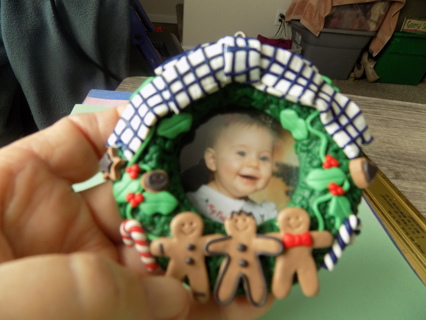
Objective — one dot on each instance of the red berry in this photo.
(133, 171)
(330, 161)
(134, 199)
(139, 197)
(335, 189)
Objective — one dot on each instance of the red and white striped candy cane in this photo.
(133, 234)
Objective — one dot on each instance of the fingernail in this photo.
(167, 298)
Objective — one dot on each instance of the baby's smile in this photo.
(249, 178)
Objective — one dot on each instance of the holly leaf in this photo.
(339, 208)
(123, 187)
(319, 179)
(175, 125)
(293, 123)
(160, 202)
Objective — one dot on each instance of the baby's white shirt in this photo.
(216, 206)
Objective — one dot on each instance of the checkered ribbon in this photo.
(209, 67)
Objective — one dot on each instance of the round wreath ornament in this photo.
(239, 255)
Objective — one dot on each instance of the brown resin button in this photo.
(155, 181)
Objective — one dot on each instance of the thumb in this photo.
(86, 286)
(166, 298)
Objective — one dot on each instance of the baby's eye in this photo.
(241, 153)
(264, 158)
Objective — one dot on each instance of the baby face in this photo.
(241, 160)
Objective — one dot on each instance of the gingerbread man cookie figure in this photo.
(185, 250)
(297, 258)
(242, 248)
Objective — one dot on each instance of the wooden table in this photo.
(399, 146)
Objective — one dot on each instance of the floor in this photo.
(362, 87)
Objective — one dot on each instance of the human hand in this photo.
(61, 255)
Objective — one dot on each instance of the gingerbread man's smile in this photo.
(188, 228)
(241, 224)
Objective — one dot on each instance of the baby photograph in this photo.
(240, 161)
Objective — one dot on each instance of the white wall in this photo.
(161, 10)
(209, 20)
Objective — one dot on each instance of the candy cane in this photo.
(133, 234)
(347, 231)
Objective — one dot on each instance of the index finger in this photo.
(72, 147)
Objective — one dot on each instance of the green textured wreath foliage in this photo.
(162, 149)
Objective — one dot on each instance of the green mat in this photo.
(371, 281)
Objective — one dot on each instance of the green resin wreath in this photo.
(313, 145)
(325, 186)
